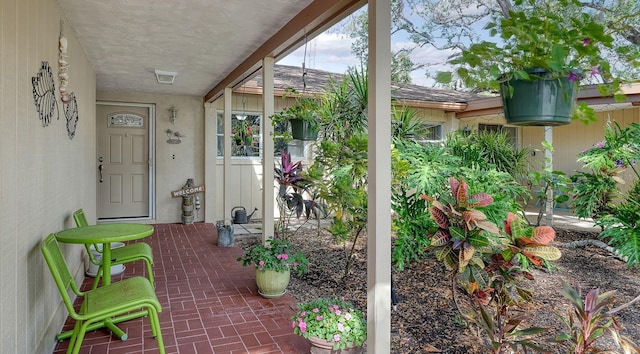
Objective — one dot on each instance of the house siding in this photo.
(44, 176)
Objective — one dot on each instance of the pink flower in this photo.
(335, 307)
(261, 263)
(303, 314)
(347, 316)
(279, 256)
(295, 264)
(338, 312)
(303, 326)
(586, 41)
(595, 71)
(340, 327)
(318, 318)
(316, 310)
(293, 324)
(336, 337)
(573, 77)
(284, 256)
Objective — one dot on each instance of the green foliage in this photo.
(558, 36)
(340, 166)
(277, 254)
(588, 320)
(490, 148)
(622, 227)
(597, 189)
(332, 319)
(425, 169)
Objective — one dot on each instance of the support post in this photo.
(548, 165)
(379, 210)
(228, 101)
(268, 191)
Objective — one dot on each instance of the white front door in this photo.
(122, 161)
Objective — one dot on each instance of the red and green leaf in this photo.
(439, 216)
(543, 235)
(482, 199)
(548, 253)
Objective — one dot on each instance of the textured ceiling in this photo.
(201, 40)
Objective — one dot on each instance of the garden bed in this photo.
(426, 319)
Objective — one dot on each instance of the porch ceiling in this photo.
(209, 43)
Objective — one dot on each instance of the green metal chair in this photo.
(105, 306)
(128, 253)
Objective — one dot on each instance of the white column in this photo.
(548, 165)
(228, 96)
(210, 158)
(379, 214)
(268, 192)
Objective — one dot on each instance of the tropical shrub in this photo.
(295, 196)
(488, 263)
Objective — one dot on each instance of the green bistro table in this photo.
(105, 234)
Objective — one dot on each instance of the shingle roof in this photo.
(317, 80)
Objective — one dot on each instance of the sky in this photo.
(331, 51)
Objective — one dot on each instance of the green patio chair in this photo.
(105, 306)
(128, 253)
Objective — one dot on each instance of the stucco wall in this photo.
(174, 163)
(44, 176)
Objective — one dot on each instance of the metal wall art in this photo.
(44, 96)
(174, 136)
(71, 112)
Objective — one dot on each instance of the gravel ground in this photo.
(426, 320)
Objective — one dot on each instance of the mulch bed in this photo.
(426, 319)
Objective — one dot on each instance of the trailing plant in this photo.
(306, 109)
(559, 36)
(591, 318)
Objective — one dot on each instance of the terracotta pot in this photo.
(321, 346)
(272, 284)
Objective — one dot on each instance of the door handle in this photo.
(100, 167)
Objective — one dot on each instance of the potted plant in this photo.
(331, 325)
(274, 262)
(303, 116)
(542, 51)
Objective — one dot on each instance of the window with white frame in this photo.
(429, 132)
(246, 137)
(246, 134)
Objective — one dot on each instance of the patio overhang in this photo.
(310, 22)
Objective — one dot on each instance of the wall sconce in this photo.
(173, 114)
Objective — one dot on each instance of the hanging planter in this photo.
(303, 130)
(539, 102)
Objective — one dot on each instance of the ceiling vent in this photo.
(165, 77)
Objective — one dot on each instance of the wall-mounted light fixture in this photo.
(173, 114)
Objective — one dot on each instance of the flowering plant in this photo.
(331, 319)
(557, 38)
(278, 255)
